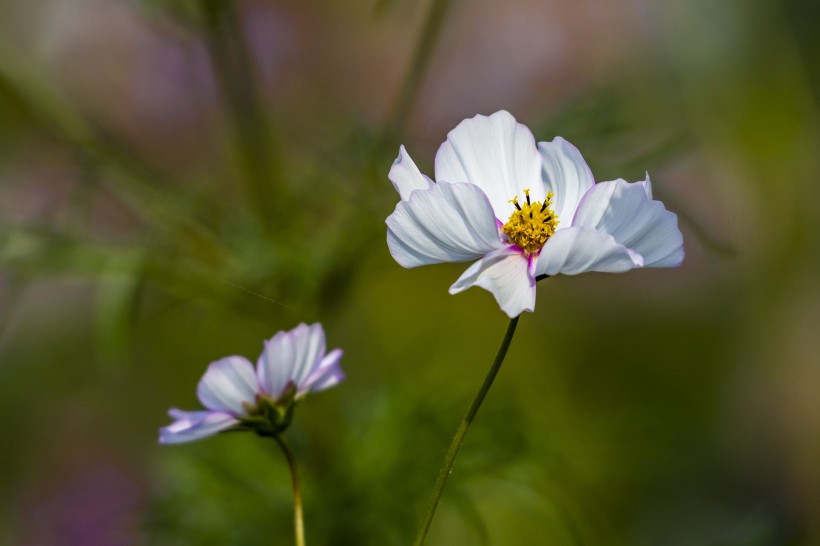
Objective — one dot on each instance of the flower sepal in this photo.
(269, 417)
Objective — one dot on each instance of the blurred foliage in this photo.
(659, 407)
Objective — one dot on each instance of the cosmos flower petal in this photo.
(227, 384)
(495, 153)
(567, 175)
(230, 387)
(627, 212)
(275, 364)
(506, 273)
(326, 375)
(310, 349)
(291, 357)
(578, 249)
(189, 426)
(446, 223)
(406, 177)
(647, 186)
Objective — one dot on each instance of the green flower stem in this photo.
(414, 77)
(298, 519)
(444, 473)
(233, 69)
(130, 180)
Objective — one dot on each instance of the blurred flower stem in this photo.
(298, 519)
(129, 179)
(455, 445)
(233, 70)
(414, 77)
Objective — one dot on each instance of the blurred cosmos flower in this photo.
(524, 211)
(238, 397)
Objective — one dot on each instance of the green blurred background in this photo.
(179, 179)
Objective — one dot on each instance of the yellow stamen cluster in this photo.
(531, 224)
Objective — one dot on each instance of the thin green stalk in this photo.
(129, 178)
(418, 66)
(450, 458)
(233, 69)
(298, 519)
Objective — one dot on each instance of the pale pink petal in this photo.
(506, 273)
(227, 384)
(446, 223)
(310, 349)
(495, 153)
(290, 357)
(326, 375)
(195, 425)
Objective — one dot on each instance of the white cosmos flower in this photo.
(291, 365)
(523, 211)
